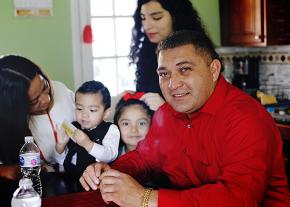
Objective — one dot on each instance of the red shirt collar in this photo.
(217, 98)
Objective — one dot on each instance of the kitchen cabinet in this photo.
(255, 22)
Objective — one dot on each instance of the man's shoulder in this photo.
(164, 107)
(238, 100)
(240, 106)
(164, 110)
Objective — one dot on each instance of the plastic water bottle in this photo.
(25, 195)
(29, 157)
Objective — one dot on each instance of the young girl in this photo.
(133, 117)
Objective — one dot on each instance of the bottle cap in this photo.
(28, 139)
(25, 182)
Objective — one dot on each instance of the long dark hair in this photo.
(16, 74)
(143, 52)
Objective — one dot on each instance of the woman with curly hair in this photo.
(154, 21)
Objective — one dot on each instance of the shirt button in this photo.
(188, 126)
(184, 151)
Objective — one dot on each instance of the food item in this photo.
(266, 98)
(69, 129)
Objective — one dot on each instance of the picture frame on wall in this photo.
(24, 8)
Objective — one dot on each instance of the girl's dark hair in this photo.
(16, 73)
(143, 52)
(122, 105)
(93, 87)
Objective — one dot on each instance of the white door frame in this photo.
(82, 52)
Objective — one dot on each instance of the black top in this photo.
(147, 79)
(83, 157)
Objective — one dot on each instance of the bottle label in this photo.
(29, 160)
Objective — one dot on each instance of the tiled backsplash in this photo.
(274, 71)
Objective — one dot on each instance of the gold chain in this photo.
(146, 196)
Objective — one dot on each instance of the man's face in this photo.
(186, 78)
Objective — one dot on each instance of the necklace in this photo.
(54, 134)
(53, 128)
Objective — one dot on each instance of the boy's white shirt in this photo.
(105, 152)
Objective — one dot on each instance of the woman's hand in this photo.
(153, 100)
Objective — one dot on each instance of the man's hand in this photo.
(153, 100)
(120, 188)
(91, 176)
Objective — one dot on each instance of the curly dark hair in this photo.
(143, 52)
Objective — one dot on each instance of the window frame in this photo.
(83, 58)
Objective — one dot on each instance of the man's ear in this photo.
(215, 69)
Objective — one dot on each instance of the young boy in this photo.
(94, 139)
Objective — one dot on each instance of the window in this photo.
(111, 22)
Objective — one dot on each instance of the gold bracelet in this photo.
(146, 195)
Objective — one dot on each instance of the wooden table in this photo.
(82, 199)
(58, 190)
(284, 131)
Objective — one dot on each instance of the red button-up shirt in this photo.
(229, 153)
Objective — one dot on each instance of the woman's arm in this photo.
(11, 172)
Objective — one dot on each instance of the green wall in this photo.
(209, 13)
(45, 40)
(48, 40)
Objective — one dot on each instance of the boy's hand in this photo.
(62, 139)
(69, 129)
(83, 140)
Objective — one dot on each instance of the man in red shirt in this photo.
(217, 145)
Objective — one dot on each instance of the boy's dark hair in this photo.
(201, 42)
(93, 87)
(122, 104)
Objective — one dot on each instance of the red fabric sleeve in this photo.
(138, 163)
